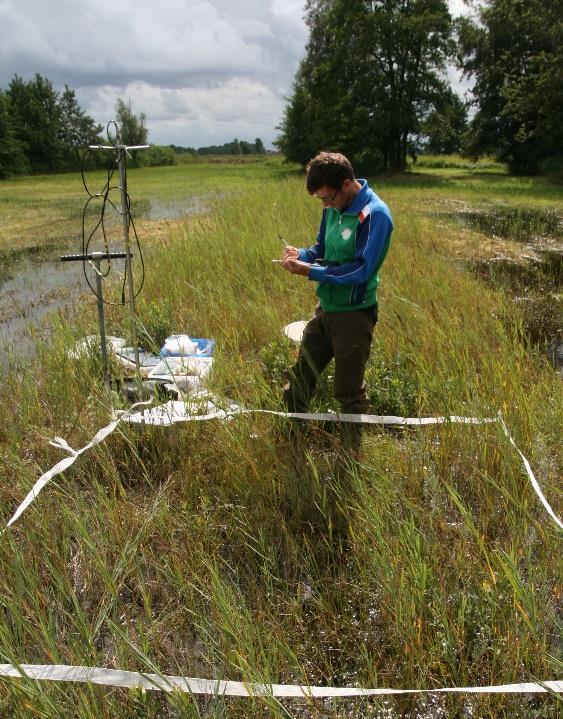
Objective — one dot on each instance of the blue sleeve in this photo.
(316, 252)
(371, 246)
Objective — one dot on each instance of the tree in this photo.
(515, 54)
(371, 74)
(444, 129)
(36, 121)
(12, 158)
(236, 147)
(132, 129)
(76, 129)
(41, 130)
(297, 140)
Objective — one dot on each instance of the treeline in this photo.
(44, 131)
(373, 83)
(236, 147)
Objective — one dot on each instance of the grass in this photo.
(223, 550)
(446, 163)
(519, 223)
(45, 211)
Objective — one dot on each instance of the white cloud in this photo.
(239, 107)
(217, 64)
(170, 40)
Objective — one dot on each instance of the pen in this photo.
(284, 242)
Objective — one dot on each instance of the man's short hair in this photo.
(328, 169)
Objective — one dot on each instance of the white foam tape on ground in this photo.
(171, 413)
(219, 687)
(65, 463)
(209, 408)
(176, 411)
(532, 477)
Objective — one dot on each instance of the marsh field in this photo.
(225, 549)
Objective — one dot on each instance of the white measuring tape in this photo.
(533, 480)
(67, 461)
(176, 411)
(171, 413)
(210, 408)
(221, 687)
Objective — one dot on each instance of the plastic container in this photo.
(184, 346)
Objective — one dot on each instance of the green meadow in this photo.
(230, 550)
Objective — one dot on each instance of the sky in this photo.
(202, 71)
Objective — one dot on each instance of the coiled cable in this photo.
(87, 238)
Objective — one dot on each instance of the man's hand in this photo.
(295, 266)
(290, 253)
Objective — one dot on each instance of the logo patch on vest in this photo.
(346, 234)
(364, 213)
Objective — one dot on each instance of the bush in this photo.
(392, 387)
(157, 156)
(553, 168)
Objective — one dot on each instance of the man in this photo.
(352, 243)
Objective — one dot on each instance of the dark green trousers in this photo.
(346, 337)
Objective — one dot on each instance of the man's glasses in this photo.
(329, 199)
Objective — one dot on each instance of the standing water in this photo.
(36, 286)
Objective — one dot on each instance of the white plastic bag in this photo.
(179, 346)
(176, 366)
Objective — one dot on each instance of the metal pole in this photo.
(96, 257)
(122, 153)
(101, 319)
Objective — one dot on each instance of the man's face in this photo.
(331, 197)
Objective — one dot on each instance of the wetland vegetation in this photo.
(222, 550)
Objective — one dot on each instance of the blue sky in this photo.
(203, 71)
